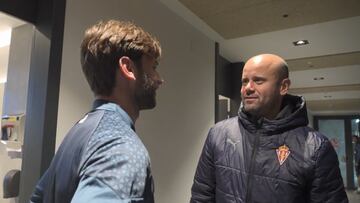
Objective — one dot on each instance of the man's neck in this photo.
(272, 113)
(125, 104)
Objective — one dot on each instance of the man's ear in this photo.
(285, 85)
(126, 67)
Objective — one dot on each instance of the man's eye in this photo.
(259, 81)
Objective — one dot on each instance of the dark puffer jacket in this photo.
(240, 161)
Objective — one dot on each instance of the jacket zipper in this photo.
(250, 178)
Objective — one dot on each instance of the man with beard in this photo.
(101, 158)
(267, 154)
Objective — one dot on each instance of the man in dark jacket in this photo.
(267, 153)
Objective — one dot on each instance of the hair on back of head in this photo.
(284, 71)
(105, 43)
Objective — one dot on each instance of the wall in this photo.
(4, 168)
(174, 132)
(310, 118)
(4, 60)
(18, 70)
(13, 93)
(4, 158)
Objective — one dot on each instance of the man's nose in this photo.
(159, 80)
(249, 85)
(249, 88)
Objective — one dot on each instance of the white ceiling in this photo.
(346, 75)
(239, 18)
(338, 36)
(330, 38)
(334, 95)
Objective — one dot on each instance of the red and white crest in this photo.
(283, 153)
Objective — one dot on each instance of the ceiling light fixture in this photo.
(318, 78)
(301, 42)
(310, 64)
(5, 37)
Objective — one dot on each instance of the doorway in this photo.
(16, 40)
(340, 131)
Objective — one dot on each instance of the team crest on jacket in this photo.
(283, 153)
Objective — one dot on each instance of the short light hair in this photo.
(105, 43)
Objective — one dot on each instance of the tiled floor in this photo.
(353, 196)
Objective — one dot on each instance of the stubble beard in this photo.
(145, 94)
(253, 110)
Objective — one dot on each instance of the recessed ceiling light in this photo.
(318, 78)
(310, 64)
(301, 42)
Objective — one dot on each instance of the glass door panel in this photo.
(335, 131)
(355, 128)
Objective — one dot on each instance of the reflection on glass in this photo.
(335, 131)
(355, 128)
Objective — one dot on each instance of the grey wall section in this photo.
(228, 84)
(16, 87)
(175, 131)
(223, 77)
(310, 118)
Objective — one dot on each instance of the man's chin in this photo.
(251, 110)
(147, 101)
(148, 105)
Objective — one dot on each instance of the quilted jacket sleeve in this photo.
(38, 194)
(203, 189)
(327, 184)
